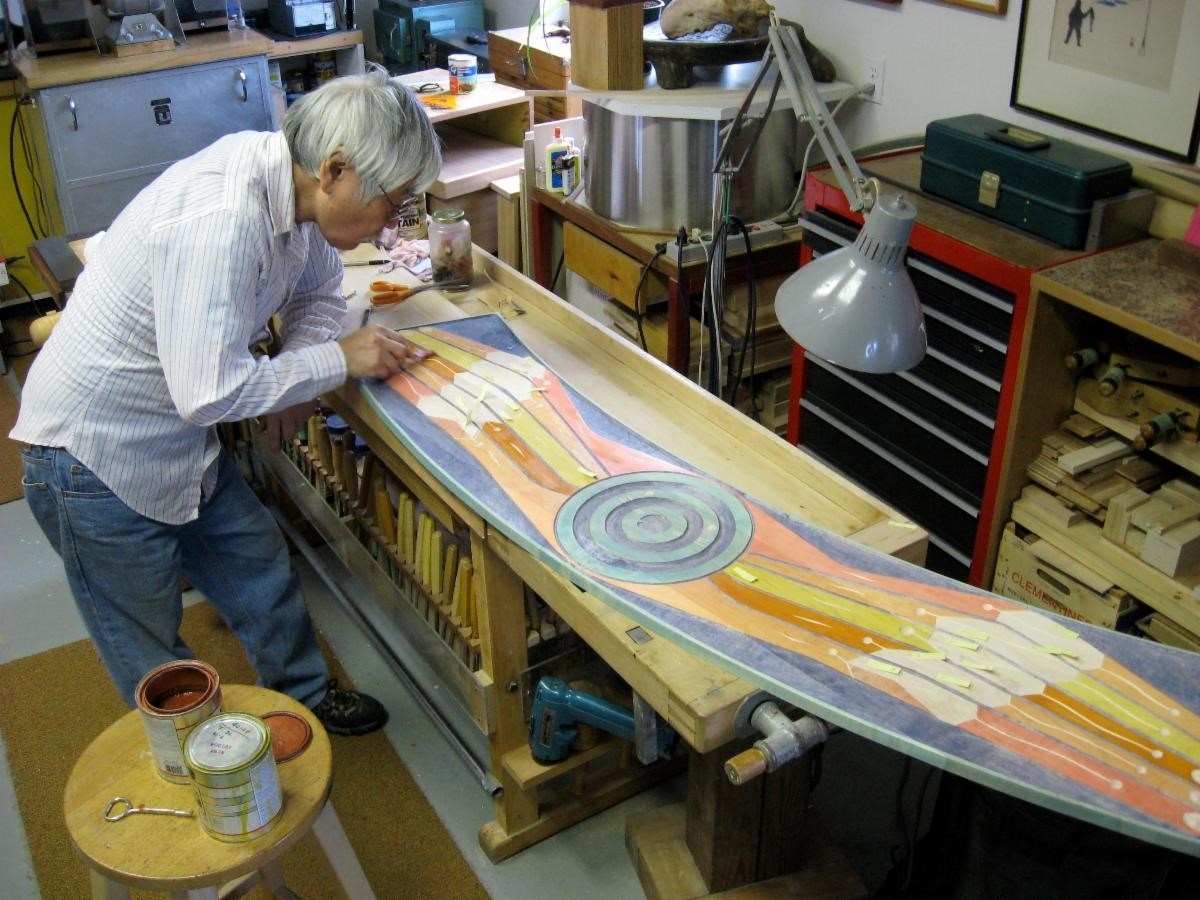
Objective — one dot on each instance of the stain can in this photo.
(324, 67)
(464, 72)
(413, 226)
(173, 699)
(234, 776)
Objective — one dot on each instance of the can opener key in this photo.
(118, 808)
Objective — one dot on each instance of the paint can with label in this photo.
(234, 776)
(464, 72)
(173, 699)
(413, 225)
(324, 67)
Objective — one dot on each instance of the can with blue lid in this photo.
(464, 72)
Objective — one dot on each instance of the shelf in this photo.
(87, 65)
(337, 40)
(1084, 542)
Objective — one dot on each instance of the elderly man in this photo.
(123, 469)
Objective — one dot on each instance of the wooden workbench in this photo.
(699, 699)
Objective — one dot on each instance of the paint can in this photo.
(234, 776)
(464, 72)
(173, 699)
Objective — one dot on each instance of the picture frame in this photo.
(996, 7)
(1125, 72)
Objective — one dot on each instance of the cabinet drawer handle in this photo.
(241, 76)
(74, 114)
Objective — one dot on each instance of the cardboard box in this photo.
(1020, 575)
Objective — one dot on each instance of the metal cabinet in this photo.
(929, 441)
(922, 438)
(110, 138)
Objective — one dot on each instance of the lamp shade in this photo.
(856, 307)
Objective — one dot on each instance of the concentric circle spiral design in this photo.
(654, 527)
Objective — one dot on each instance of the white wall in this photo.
(940, 60)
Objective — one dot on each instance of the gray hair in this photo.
(377, 123)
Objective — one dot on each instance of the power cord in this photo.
(638, 315)
(750, 337)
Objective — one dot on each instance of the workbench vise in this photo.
(558, 709)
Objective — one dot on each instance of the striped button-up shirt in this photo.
(154, 347)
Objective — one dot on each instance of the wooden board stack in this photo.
(1142, 505)
(1085, 465)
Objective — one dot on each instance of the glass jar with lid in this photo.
(450, 245)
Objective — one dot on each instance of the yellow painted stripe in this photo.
(841, 608)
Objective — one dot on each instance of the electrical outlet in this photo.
(873, 75)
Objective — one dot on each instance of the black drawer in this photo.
(950, 520)
(928, 444)
(974, 303)
(973, 390)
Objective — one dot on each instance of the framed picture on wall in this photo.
(1126, 71)
(999, 7)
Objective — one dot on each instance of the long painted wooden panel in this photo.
(1096, 724)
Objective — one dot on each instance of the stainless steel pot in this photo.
(655, 171)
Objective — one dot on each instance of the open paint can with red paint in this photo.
(173, 699)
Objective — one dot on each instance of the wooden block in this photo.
(1120, 509)
(1050, 506)
(1175, 550)
(1165, 509)
(508, 219)
(1083, 427)
(1140, 470)
(155, 46)
(606, 52)
(1179, 488)
(1094, 455)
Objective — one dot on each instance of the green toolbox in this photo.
(1042, 185)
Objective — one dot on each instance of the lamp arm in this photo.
(741, 119)
(808, 105)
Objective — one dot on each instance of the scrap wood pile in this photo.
(1146, 506)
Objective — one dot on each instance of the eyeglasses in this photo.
(404, 208)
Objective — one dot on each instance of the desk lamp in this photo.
(855, 307)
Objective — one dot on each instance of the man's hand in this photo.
(374, 352)
(284, 425)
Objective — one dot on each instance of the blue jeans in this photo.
(124, 571)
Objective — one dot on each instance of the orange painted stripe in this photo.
(860, 639)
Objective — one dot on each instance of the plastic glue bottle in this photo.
(570, 167)
(555, 151)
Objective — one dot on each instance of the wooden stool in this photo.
(169, 853)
